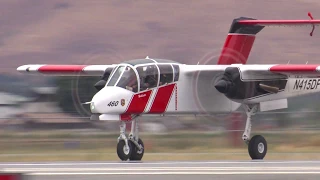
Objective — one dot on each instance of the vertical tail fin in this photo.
(239, 42)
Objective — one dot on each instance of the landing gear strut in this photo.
(257, 145)
(131, 148)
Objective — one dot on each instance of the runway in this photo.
(228, 170)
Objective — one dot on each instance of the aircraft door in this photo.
(166, 74)
(149, 76)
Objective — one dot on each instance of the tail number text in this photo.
(306, 84)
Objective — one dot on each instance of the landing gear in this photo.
(131, 148)
(124, 150)
(137, 153)
(257, 145)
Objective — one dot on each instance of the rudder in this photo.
(239, 42)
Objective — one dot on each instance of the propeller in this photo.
(227, 83)
(87, 102)
(223, 86)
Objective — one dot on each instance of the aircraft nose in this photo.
(96, 103)
(110, 100)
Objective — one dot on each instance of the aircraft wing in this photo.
(278, 71)
(65, 70)
(261, 72)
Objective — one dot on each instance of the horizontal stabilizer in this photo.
(279, 22)
(254, 22)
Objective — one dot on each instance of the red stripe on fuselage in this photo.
(236, 49)
(138, 103)
(162, 99)
(61, 68)
(294, 68)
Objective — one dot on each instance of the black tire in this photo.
(257, 147)
(137, 155)
(124, 156)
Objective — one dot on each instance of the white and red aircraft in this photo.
(149, 86)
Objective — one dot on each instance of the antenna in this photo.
(307, 62)
(288, 62)
(310, 15)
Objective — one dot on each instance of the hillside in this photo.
(101, 32)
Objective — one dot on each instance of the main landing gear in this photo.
(257, 145)
(130, 148)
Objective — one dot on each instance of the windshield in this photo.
(128, 80)
(124, 77)
(116, 76)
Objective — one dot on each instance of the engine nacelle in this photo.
(234, 88)
(102, 82)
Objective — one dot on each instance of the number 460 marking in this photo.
(113, 103)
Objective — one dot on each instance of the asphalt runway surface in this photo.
(227, 170)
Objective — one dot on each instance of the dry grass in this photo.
(159, 157)
(177, 146)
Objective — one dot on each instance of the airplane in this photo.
(150, 86)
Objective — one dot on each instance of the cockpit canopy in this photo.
(140, 75)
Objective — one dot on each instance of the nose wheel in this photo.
(137, 153)
(131, 148)
(124, 151)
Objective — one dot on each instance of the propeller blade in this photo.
(87, 102)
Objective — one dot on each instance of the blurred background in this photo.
(41, 117)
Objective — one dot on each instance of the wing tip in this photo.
(29, 68)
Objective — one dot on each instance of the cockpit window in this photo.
(148, 76)
(116, 76)
(128, 80)
(166, 74)
(143, 77)
(176, 72)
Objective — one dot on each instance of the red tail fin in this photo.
(239, 42)
(242, 34)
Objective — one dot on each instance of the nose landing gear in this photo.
(131, 148)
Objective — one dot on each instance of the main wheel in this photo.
(137, 154)
(257, 147)
(123, 152)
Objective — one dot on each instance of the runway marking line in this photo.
(162, 169)
(157, 168)
(172, 173)
(154, 163)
